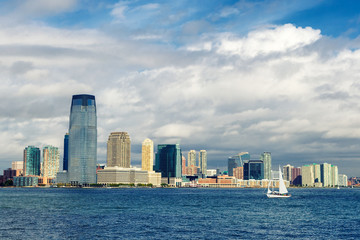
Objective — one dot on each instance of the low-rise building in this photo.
(26, 181)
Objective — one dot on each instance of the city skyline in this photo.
(228, 77)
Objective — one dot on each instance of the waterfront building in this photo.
(307, 175)
(31, 161)
(211, 172)
(50, 162)
(26, 181)
(191, 170)
(238, 172)
(237, 161)
(325, 169)
(118, 150)
(82, 140)
(317, 173)
(343, 180)
(334, 176)
(275, 175)
(66, 152)
(9, 173)
(147, 155)
(266, 158)
(287, 170)
(119, 175)
(296, 176)
(253, 169)
(192, 158)
(168, 162)
(183, 165)
(203, 161)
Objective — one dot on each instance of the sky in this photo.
(275, 76)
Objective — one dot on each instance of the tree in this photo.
(9, 183)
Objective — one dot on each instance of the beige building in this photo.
(50, 162)
(307, 175)
(147, 155)
(203, 161)
(334, 176)
(326, 174)
(118, 150)
(116, 175)
(192, 158)
(317, 173)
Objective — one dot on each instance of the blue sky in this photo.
(225, 76)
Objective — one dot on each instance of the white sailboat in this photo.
(282, 193)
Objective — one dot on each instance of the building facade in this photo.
(50, 162)
(203, 161)
(82, 140)
(31, 161)
(168, 161)
(296, 176)
(287, 170)
(237, 161)
(119, 150)
(147, 155)
(307, 175)
(254, 169)
(66, 152)
(192, 158)
(266, 158)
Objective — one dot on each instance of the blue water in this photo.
(39, 213)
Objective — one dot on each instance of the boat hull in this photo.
(269, 195)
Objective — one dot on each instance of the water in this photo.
(39, 213)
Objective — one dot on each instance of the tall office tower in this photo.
(325, 169)
(287, 172)
(203, 161)
(50, 162)
(82, 140)
(31, 161)
(183, 165)
(253, 169)
(66, 152)
(237, 161)
(147, 155)
(334, 176)
(192, 158)
(168, 161)
(317, 173)
(118, 150)
(266, 158)
(307, 175)
(296, 176)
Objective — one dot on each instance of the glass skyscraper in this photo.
(31, 161)
(168, 161)
(82, 140)
(266, 158)
(237, 161)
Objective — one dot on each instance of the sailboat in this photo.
(282, 193)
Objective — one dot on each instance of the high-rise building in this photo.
(317, 173)
(343, 180)
(325, 169)
(334, 176)
(50, 162)
(266, 158)
(203, 161)
(183, 165)
(237, 161)
(192, 158)
(307, 175)
(82, 140)
(31, 161)
(168, 161)
(66, 152)
(287, 172)
(118, 150)
(253, 169)
(147, 155)
(296, 176)
(239, 172)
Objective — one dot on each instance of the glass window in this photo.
(91, 102)
(77, 101)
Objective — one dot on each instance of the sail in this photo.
(269, 191)
(282, 187)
